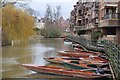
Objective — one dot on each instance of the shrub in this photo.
(50, 33)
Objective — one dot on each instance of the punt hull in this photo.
(62, 71)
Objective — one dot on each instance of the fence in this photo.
(88, 44)
(111, 50)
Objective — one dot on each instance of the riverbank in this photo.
(31, 39)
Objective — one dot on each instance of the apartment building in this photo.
(84, 17)
(73, 19)
(109, 19)
(96, 15)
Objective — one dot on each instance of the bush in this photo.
(47, 33)
(80, 32)
(96, 34)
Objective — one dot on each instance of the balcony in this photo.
(80, 17)
(80, 27)
(109, 4)
(89, 26)
(84, 27)
(110, 20)
(112, 16)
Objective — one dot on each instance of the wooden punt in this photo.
(63, 71)
(59, 60)
(89, 66)
(68, 51)
(79, 49)
(77, 53)
(77, 46)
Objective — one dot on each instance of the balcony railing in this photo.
(112, 16)
(111, 19)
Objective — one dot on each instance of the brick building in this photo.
(108, 20)
(93, 15)
(84, 17)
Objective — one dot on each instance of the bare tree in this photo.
(51, 26)
(48, 13)
(54, 14)
(5, 2)
(58, 11)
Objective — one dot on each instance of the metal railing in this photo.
(111, 50)
(88, 44)
(112, 16)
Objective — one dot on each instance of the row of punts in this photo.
(78, 63)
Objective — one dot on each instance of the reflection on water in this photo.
(14, 56)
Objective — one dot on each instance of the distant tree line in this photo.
(52, 29)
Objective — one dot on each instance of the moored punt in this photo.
(63, 71)
(94, 59)
(77, 54)
(79, 49)
(68, 51)
(60, 60)
(89, 66)
(77, 46)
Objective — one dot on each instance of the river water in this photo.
(34, 52)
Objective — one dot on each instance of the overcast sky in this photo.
(66, 6)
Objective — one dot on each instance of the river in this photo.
(33, 53)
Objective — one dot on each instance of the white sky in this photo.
(66, 6)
